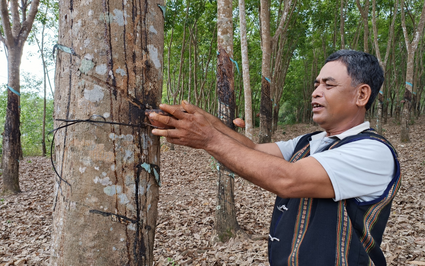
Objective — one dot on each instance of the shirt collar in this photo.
(350, 132)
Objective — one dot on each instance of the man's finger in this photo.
(160, 132)
(165, 120)
(175, 110)
(190, 108)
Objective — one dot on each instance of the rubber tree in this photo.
(225, 224)
(245, 71)
(411, 47)
(16, 23)
(108, 72)
(382, 62)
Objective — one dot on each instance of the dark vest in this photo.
(322, 232)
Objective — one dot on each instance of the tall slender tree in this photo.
(17, 22)
(108, 71)
(226, 224)
(382, 62)
(245, 71)
(411, 47)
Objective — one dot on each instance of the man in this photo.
(333, 206)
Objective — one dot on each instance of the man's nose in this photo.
(317, 92)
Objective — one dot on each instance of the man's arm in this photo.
(305, 178)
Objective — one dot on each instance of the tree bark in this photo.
(266, 102)
(226, 223)
(106, 190)
(411, 48)
(245, 71)
(16, 28)
(383, 63)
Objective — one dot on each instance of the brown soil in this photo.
(185, 233)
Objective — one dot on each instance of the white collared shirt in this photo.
(360, 169)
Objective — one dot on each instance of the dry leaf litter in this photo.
(185, 231)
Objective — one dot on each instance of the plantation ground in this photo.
(186, 210)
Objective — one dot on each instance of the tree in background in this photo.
(17, 22)
(411, 47)
(226, 224)
(382, 62)
(245, 71)
(108, 72)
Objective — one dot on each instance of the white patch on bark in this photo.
(127, 137)
(131, 227)
(101, 69)
(86, 66)
(82, 169)
(123, 198)
(94, 95)
(128, 157)
(152, 29)
(147, 141)
(90, 12)
(88, 56)
(104, 181)
(121, 72)
(153, 52)
(112, 190)
(119, 17)
(141, 190)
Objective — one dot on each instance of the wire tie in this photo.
(410, 84)
(152, 168)
(163, 8)
(64, 49)
(236, 63)
(12, 90)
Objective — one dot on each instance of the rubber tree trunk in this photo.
(16, 23)
(411, 47)
(245, 71)
(109, 69)
(265, 135)
(226, 224)
(12, 133)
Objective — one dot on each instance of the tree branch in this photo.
(27, 25)
(403, 26)
(390, 38)
(16, 23)
(285, 17)
(8, 36)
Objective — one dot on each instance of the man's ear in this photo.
(363, 95)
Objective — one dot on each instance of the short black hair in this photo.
(362, 68)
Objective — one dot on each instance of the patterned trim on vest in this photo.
(343, 234)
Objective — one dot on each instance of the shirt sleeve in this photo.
(287, 147)
(361, 169)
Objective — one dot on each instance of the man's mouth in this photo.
(316, 105)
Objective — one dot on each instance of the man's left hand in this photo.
(189, 129)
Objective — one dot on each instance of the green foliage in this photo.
(31, 118)
(172, 262)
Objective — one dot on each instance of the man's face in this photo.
(334, 98)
